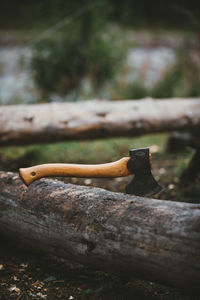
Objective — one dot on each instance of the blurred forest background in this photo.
(66, 51)
(57, 51)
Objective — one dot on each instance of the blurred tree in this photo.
(136, 90)
(182, 79)
(175, 14)
(78, 47)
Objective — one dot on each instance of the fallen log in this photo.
(41, 123)
(151, 239)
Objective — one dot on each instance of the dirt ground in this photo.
(25, 274)
(28, 275)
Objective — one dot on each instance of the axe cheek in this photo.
(140, 164)
(146, 187)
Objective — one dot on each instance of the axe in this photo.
(139, 164)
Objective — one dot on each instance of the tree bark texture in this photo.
(25, 124)
(151, 239)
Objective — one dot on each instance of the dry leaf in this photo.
(1, 267)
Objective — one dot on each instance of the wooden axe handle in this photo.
(113, 169)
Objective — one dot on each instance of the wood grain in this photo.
(113, 169)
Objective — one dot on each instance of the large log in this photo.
(25, 124)
(151, 239)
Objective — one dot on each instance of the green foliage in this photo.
(61, 61)
(103, 60)
(59, 64)
(167, 85)
(135, 91)
(181, 80)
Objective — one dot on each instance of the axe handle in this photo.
(113, 169)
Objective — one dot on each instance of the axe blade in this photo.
(143, 183)
(147, 186)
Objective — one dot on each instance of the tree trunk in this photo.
(191, 173)
(25, 124)
(178, 141)
(151, 239)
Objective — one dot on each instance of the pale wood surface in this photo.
(151, 239)
(25, 124)
(113, 169)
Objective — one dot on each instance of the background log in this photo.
(25, 124)
(152, 239)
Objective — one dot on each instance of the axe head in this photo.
(143, 183)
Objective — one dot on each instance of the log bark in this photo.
(151, 239)
(25, 124)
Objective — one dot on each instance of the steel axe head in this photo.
(143, 183)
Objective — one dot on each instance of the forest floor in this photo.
(25, 274)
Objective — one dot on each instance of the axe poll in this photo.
(138, 163)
